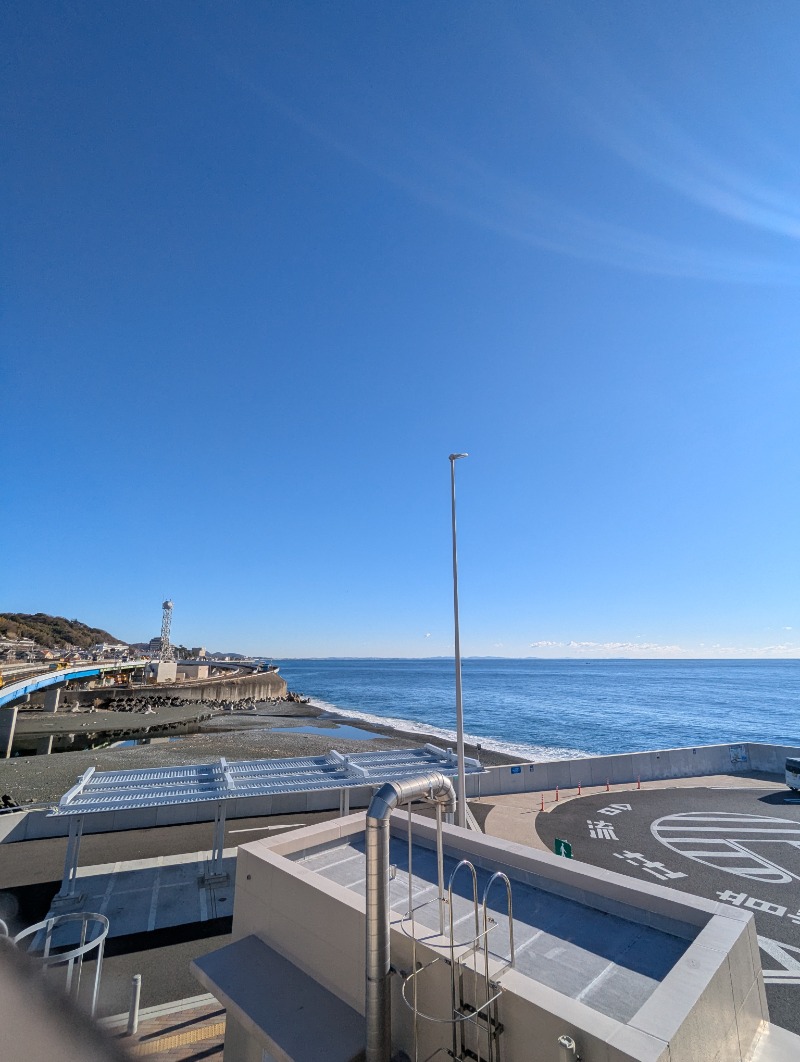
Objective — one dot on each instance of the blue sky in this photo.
(264, 266)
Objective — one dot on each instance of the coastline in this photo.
(234, 735)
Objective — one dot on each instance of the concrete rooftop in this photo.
(609, 962)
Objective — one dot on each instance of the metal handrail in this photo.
(73, 956)
(458, 1017)
(411, 914)
(500, 876)
(492, 999)
(457, 1029)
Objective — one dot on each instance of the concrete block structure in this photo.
(625, 970)
(163, 671)
(52, 698)
(192, 671)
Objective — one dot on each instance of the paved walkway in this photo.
(512, 817)
(184, 1031)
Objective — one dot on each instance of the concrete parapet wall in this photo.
(771, 758)
(626, 768)
(620, 769)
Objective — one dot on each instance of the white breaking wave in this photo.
(534, 753)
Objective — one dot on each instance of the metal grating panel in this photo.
(98, 791)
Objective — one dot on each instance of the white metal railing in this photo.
(43, 945)
(462, 957)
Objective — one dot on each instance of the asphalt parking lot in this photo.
(737, 846)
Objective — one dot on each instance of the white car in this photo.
(793, 775)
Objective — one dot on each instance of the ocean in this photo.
(551, 709)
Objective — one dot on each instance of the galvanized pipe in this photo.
(433, 786)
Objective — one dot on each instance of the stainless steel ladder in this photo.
(474, 993)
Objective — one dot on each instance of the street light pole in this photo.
(461, 808)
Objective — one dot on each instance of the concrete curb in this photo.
(190, 1003)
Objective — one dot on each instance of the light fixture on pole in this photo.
(461, 809)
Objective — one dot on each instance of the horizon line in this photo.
(557, 659)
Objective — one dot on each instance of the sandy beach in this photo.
(267, 732)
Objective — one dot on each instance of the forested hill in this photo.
(52, 632)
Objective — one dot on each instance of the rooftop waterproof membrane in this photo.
(611, 963)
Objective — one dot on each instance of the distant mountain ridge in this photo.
(53, 632)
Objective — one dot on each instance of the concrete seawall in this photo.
(261, 686)
(620, 769)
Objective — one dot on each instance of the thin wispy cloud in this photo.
(633, 125)
(627, 647)
(626, 120)
(655, 649)
(780, 649)
(608, 647)
(426, 163)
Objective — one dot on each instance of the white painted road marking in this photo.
(151, 921)
(789, 974)
(650, 866)
(687, 833)
(601, 831)
(112, 879)
(614, 809)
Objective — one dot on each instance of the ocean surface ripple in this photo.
(553, 709)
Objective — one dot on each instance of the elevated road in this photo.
(15, 691)
(229, 680)
(22, 670)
